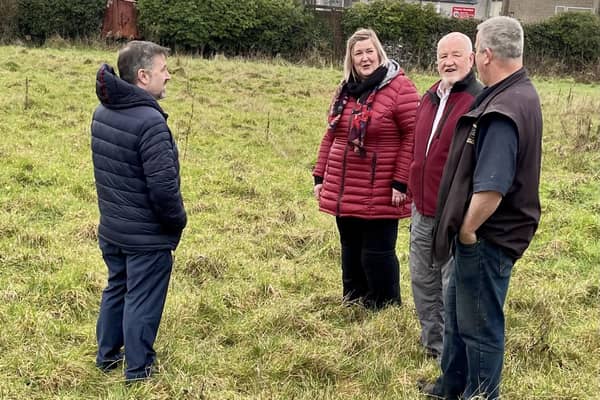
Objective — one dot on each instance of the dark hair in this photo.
(137, 55)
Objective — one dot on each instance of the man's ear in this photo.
(489, 55)
(142, 77)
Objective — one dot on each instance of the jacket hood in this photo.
(115, 93)
(393, 70)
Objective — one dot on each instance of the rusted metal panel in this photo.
(120, 20)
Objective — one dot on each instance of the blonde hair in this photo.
(359, 36)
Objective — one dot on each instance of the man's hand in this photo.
(482, 206)
(466, 237)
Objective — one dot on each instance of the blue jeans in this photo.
(131, 307)
(474, 326)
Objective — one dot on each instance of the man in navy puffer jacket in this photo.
(142, 216)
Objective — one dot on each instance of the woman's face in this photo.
(365, 58)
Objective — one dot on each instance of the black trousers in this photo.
(370, 269)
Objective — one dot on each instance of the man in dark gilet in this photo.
(488, 211)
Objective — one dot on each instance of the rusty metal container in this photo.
(120, 20)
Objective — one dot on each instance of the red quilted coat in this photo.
(362, 187)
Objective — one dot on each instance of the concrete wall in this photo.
(537, 10)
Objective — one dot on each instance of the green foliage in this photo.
(409, 32)
(566, 43)
(195, 24)
(230, 26)
(41, 19)
(570, 40)
(283, 27)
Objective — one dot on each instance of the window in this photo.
(562, 9)
(462, 1)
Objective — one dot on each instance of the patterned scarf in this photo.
(364, 91)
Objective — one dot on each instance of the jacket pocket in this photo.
(373, 168)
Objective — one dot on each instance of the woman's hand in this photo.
(398, 198)
(317, 191)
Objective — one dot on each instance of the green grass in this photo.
(254, 308)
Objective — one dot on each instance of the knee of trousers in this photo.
(375, 256)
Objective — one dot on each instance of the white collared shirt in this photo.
(443, 95)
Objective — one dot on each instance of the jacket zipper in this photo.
(373, 166)
(342, 181)
(344, 161)
(447, 112)
(436, 135)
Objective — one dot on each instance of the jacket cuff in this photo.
(318, 179)
(399, 186)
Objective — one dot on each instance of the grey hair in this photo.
(502, 35)
(137, 55)
(466, 40)
(359, 36)
(468, 43)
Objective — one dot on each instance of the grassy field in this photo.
(254, 306)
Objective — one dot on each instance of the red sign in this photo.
(463, 12)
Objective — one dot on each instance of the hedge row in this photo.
(230, 26)
(39, 19)
(567, 43)
(410, 32)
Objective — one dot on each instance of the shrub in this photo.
(195, 24)
(41, 19)
(229, 26)
(569, 42)
(283, 27)
(408, 31)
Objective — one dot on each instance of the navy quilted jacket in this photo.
(136, 168)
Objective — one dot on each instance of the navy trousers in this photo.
(131, 308)
(370, 269)
(474, 325)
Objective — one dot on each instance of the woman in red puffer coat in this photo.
(362, 168)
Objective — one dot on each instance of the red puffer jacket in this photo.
(362, 187)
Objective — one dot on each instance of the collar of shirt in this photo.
(442, 93)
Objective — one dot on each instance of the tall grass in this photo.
(254, 306)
